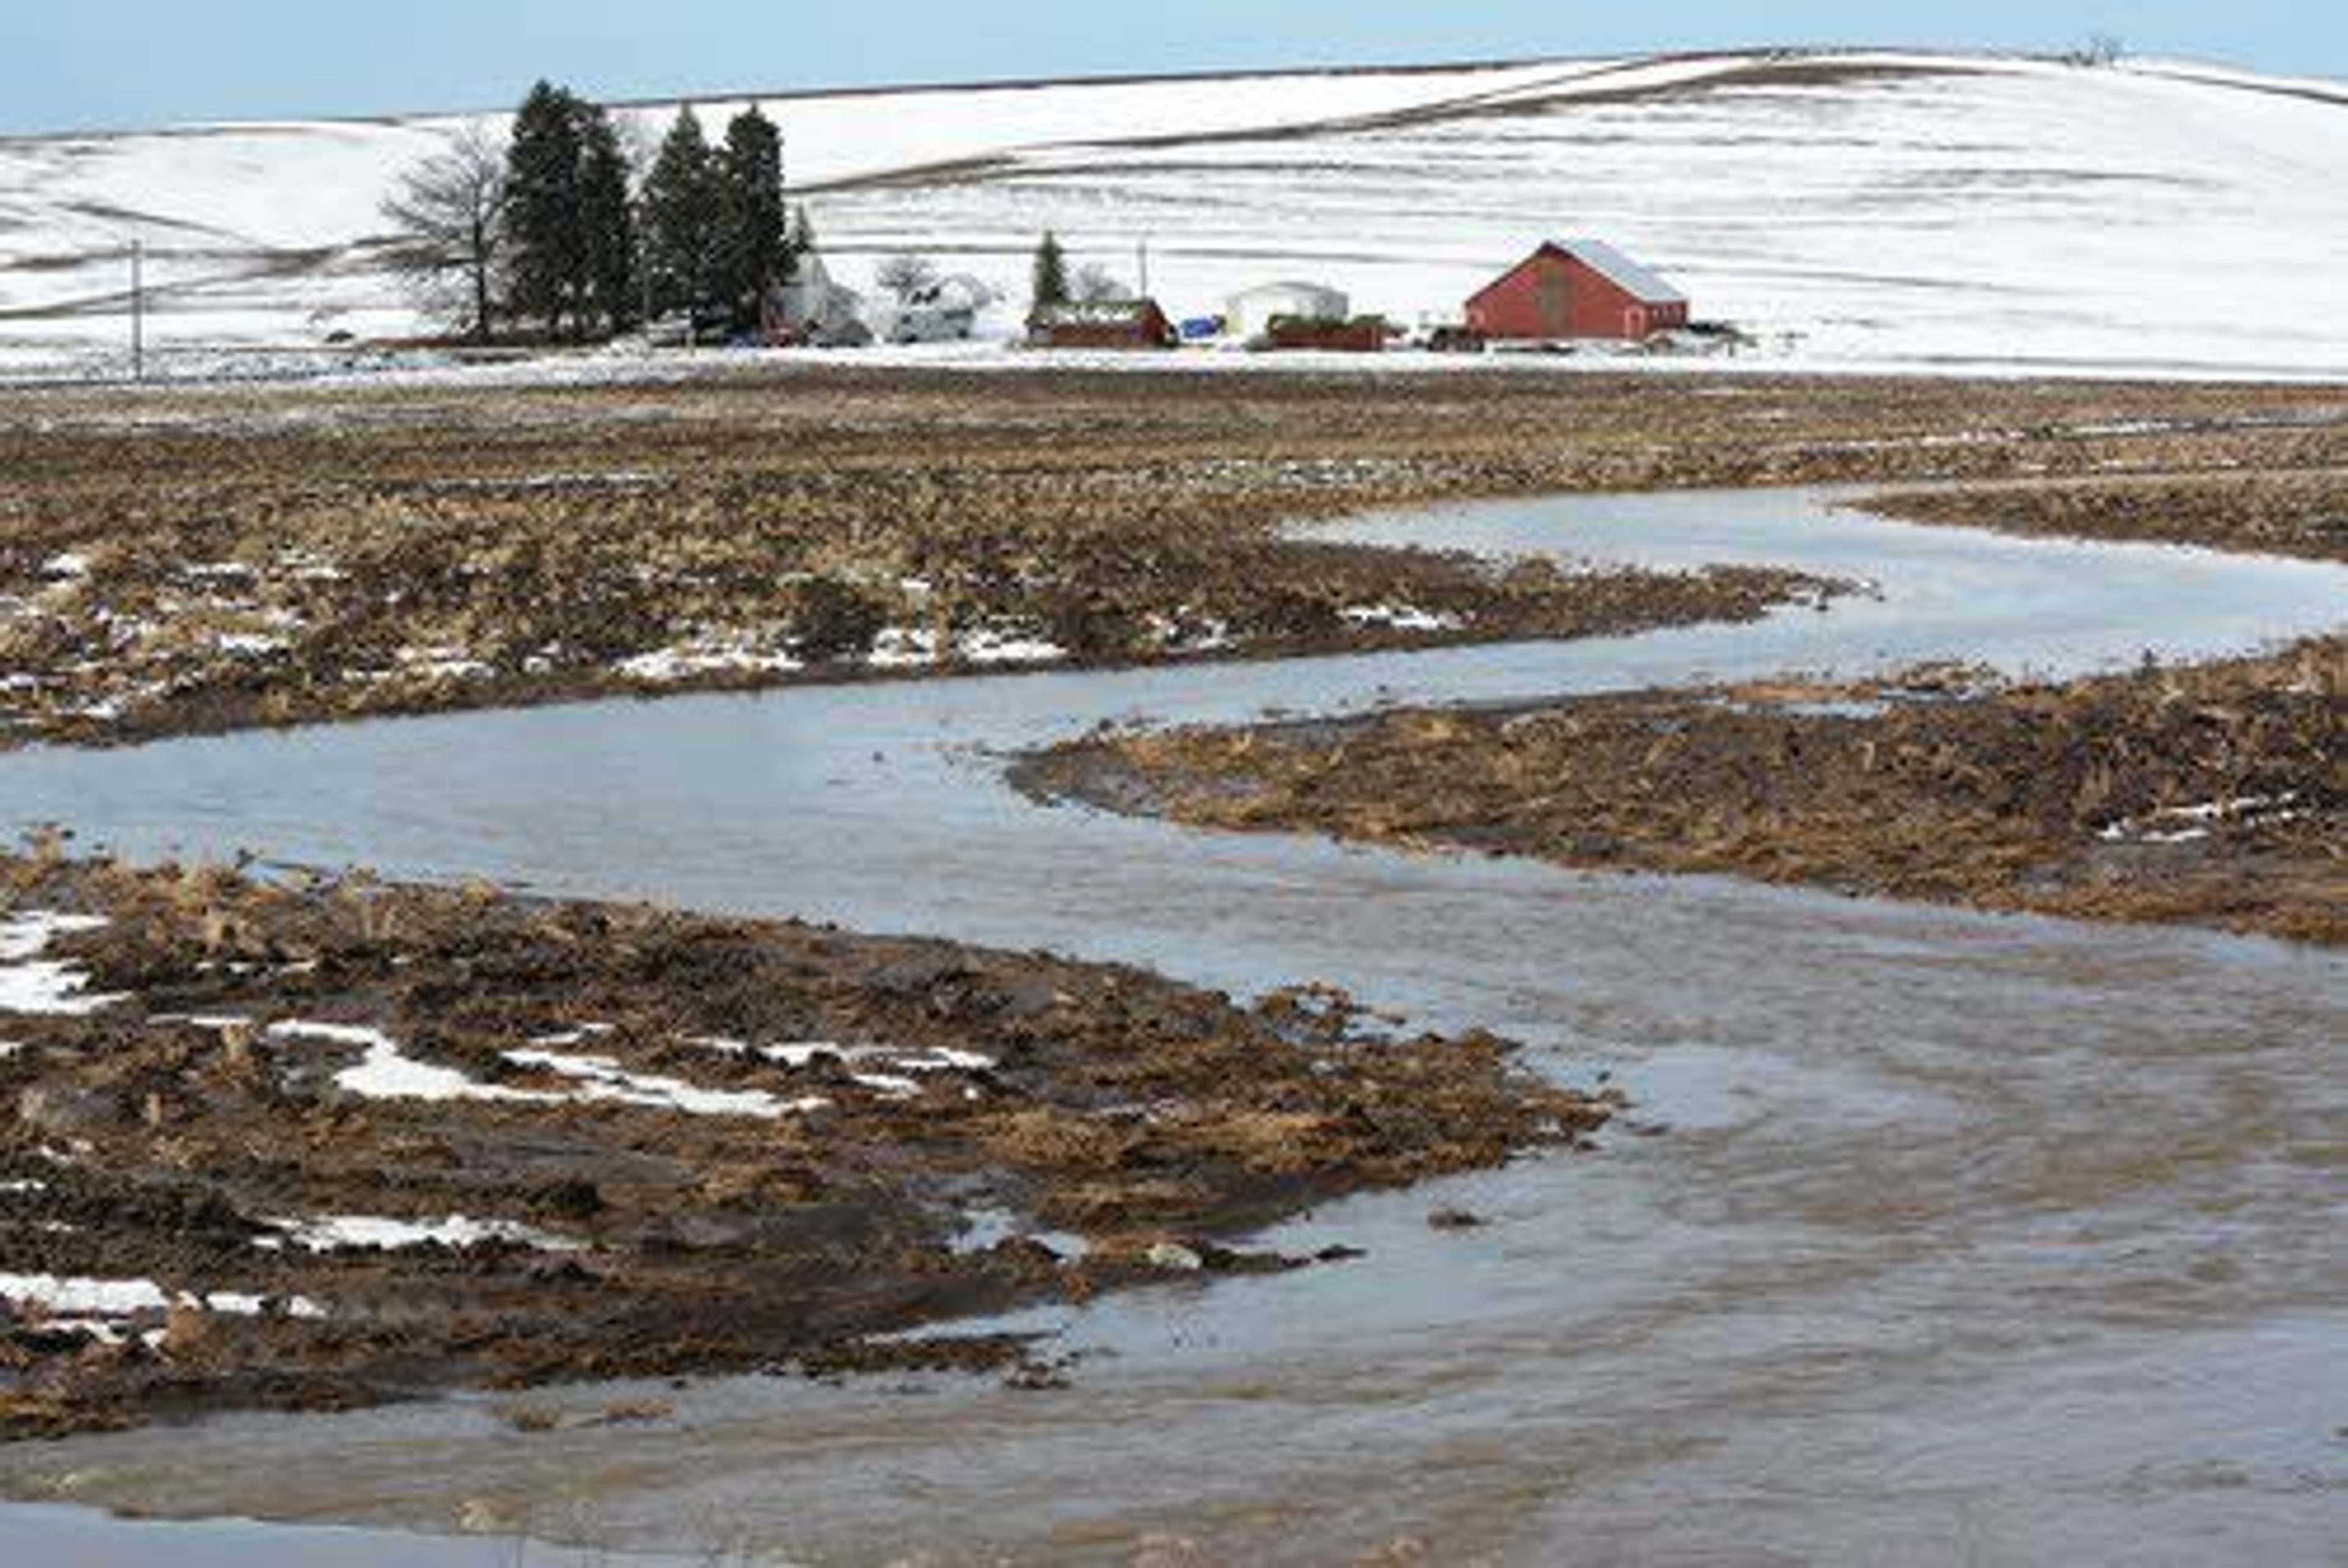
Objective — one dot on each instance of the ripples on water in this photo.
(1975, 1237)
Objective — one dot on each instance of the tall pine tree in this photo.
(543, 227)
(680, 221)
(753, 231)
(607, 225)
(1051, 280)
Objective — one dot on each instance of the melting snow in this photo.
(601, 1079)
(2189, 823)
(1402, 618)
(666, 665)
(387, 1072)
(31, 984)
(110, 1298)
(325, 1233)
(1008, 647)
(900, 648)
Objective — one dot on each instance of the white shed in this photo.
(1249, 314)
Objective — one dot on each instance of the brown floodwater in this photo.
(1966, 1238)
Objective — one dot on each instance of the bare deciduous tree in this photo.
(904, 277)
(1096, 284)
(449, 212)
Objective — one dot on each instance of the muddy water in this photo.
(1973, 1238)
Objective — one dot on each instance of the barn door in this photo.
(1553, 297)
(1634, 321)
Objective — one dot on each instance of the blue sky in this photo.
(75, 64)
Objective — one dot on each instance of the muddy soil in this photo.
(2303, 515)
(208, 558)
(2211, 795)
(318, 1144)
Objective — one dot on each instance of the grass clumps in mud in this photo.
(2303, 515)
(320, 1143)
(2210, 796)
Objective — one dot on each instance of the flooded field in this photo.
(1992, 1238)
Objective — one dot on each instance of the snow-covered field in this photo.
(1851, 211)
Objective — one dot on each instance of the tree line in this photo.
(547, 230)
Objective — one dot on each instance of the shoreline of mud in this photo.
(2303, 515)
(2207, 794)
(320, 1143)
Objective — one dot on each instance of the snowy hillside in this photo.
(1851, 209)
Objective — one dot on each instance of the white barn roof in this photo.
(1644, 282)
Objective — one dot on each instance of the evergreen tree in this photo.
(607, 225)
(1051, 284)
(545, 232)
(680, 221)
(753, 238)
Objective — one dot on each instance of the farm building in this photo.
(1101, 323)
(1365, 334)
(1577, 289)
(945, 311)
(813, 309)
(1249, 314)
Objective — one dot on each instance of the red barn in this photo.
(1102, 323)
(1577, 289)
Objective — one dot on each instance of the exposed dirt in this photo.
(2304, 514)
(2213, 795)
(205, 559)
(676, 1180)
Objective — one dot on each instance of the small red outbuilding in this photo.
(1577, 289)
(1102, 323)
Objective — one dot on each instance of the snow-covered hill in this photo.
(1851, 209)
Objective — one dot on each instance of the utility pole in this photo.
(1145, 266)
(138, 310)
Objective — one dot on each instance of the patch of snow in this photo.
(326, 1232)
(107, 1300)
(1402, 618)
(441, 664)
(385, 1071)
(903, 648)
(249, 644)
(602, 1079)
(2191, 823)
(987, 647)
(664, 666)
(34, 985)
(91, 1298)
(66, 565)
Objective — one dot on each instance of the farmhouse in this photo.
(1577, 289)
(1248, 315)
(1101, 323)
